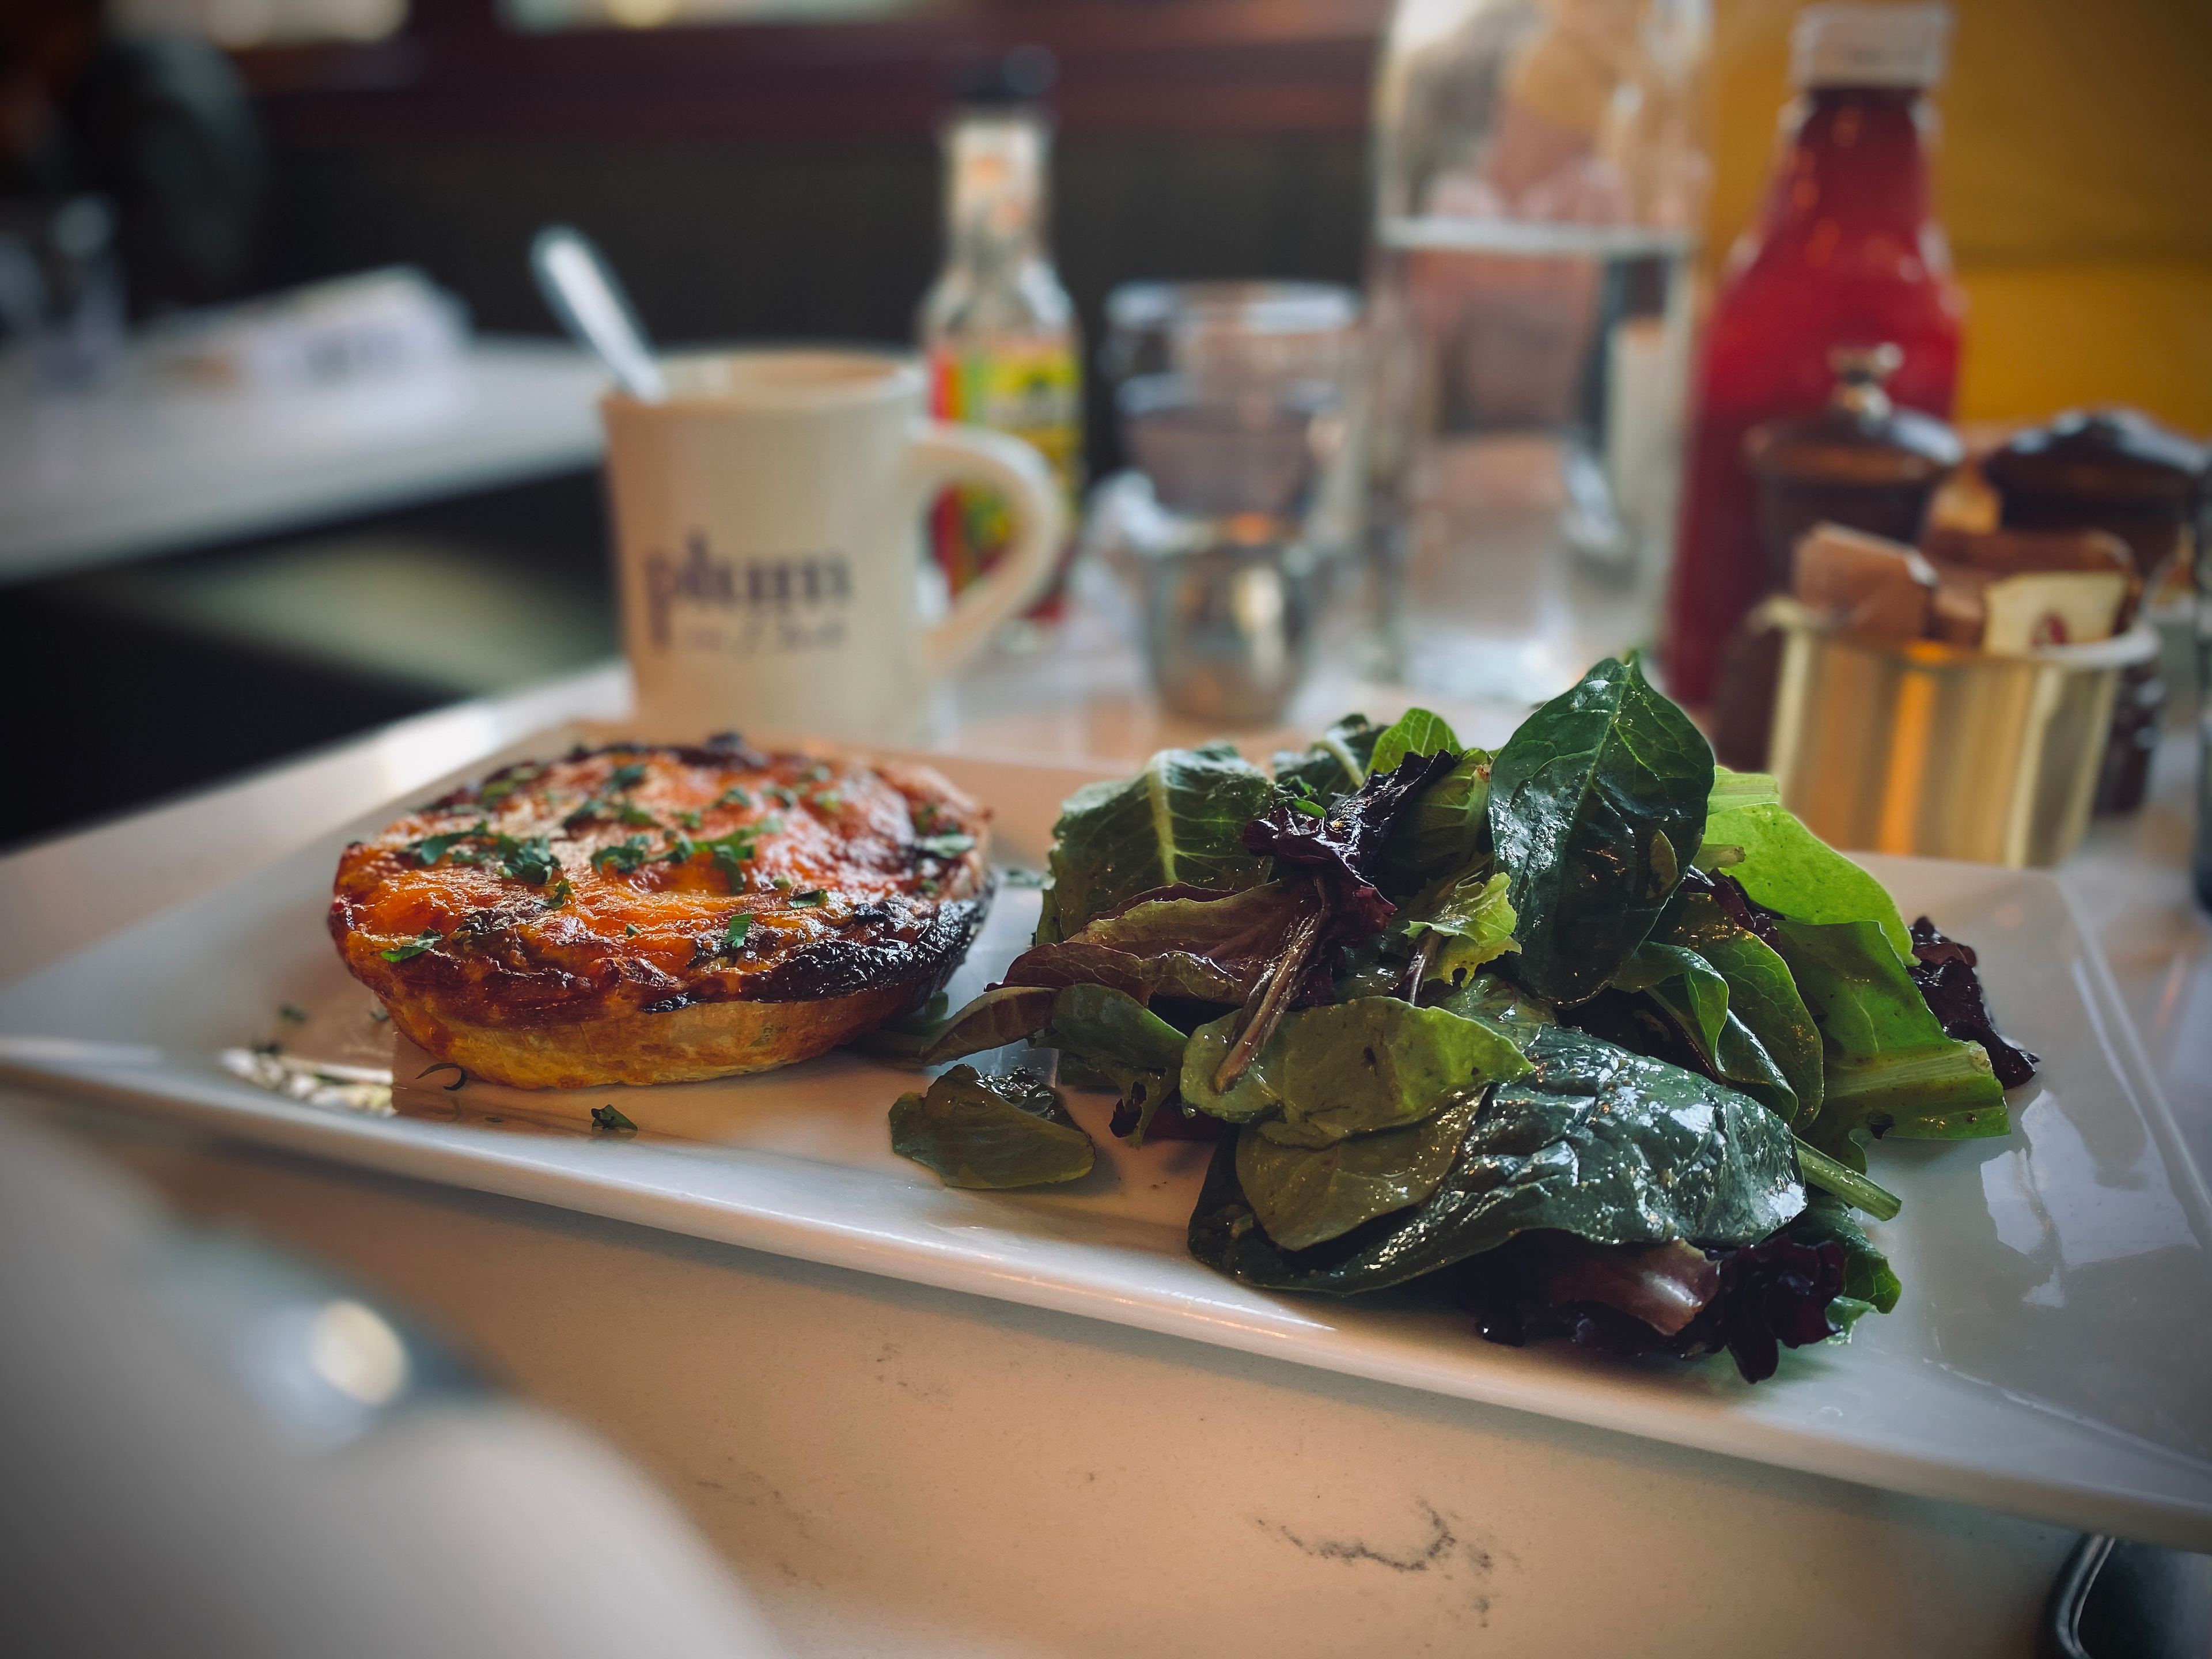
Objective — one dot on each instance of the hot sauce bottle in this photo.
(998, 330)
(1846, 252)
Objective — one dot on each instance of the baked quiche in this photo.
(661, 914)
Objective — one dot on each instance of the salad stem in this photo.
(1271, 996)
(1417, 971)
(1855, 1189)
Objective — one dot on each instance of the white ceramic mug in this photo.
(767, 528)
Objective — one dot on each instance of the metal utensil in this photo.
(582, 290)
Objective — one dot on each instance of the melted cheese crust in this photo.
(570, 922)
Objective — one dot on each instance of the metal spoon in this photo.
(582, 291)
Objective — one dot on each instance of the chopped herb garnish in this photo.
(624, 778)
(413, 947)
(292, 1012)
(636, 816)
(782, 883)
(815, 773)
(606, 1117)
(1311, 809)
(740, 925)
(429, 850)
(730, 852)
(767, 826)
(782, 796)
(949, 845)
(500, 787)
(735, 795)
(688, 820)
(629, 930)
(530, 861)
(623, 858)
(811, 896)
(681, 847)
(827, 801)
(562, 893)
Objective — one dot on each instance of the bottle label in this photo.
(1030, 391)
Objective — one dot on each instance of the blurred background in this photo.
(765, 170)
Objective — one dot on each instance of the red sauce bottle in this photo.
(1847, 252)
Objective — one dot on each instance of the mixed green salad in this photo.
(1589, 1035)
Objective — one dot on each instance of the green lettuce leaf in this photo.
(1889, 1067)
(1306, 1195)
(1596, 803)
(1446, 831)
(1594, 1141)
(1472, 921)
(1494, 1000)
(1335, 763)
(1009, 1131)
(1347, 1068)
(1180, 820)
(1785, 867)
(1417, 732)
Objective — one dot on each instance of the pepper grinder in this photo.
(2111, 470)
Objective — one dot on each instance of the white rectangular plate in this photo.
(2052, 1355)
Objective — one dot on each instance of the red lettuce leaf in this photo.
(1343, 844)
(1943, 968)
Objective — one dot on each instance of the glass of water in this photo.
(1541, 177)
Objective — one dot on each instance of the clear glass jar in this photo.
(1541, 179)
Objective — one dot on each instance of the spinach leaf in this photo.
(1695, 998)
(1785, 867)
(1336, 763)
(1594, 1141)
(1109, 1027)
(1347, 1068)
(1457, 925)
(1306, 1195)
(1417, 732)
(1181, 819)
(1003, 1014)
(1761, 992)
(1596, 803)
(1889, 1067)
(1009, 1131)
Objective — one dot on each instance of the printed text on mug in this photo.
(804, 581)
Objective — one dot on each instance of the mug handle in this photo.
(941, 453)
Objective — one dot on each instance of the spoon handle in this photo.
(583, 293)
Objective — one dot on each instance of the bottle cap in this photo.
(1863, 45)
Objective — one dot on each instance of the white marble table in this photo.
(899, 1470)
